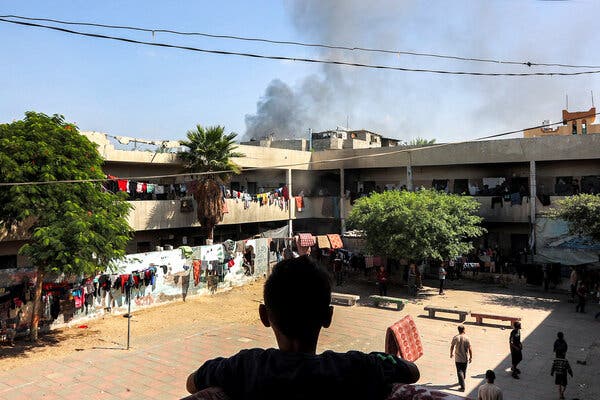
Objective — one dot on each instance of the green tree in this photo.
(74, 228)
(582, 213)
(210, 149)
(417, 225)
(419, 141)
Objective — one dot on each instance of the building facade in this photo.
(514, 180)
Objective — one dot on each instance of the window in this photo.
(461, 186)
(574, 132)
(584, 127)
(235, 186)
(9, 261)
(143, 247)
(252, 188)
(564, 186)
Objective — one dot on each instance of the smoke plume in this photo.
(405, 105)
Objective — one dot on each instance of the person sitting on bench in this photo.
(297, 297)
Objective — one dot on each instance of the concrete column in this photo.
(532, 197)
(288, 182)
(409, 175)
(342, 202)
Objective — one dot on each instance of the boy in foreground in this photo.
(297, 299)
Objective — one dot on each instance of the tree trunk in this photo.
(210, 234)
(37, 304)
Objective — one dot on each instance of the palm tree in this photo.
(210, 149)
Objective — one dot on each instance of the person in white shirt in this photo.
(489, 391)
(442, 276)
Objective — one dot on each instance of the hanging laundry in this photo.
(150, 188)
(299, 203)
(123, 185)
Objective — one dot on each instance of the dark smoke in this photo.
(406, 105)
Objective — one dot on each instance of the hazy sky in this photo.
(158, 93)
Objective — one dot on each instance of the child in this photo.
(382, 278)
(297, 299)
(560, 366)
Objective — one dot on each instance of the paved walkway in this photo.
(157, 368)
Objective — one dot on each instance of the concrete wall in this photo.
(166, 214)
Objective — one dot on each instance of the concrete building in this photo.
(540, 169)
(574, 123)
(328, 140)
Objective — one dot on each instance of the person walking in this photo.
(382, 279)
(560, 345)
(489, 391)
(462, 356)
(337, 269)
(516, 349)
(442, 276)
(561, 367)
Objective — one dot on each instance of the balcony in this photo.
(166, 214)
(503, 211)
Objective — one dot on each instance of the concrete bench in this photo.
(344, 298)
(479, 318)
(461, 313)
(376, 300)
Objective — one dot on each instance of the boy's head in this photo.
(560, 335)
(297, 297)
(490, 376)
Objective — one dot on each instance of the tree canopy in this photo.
(417, 225)
(419, 141)
(210, 149)
(582, 212)
(78, 227)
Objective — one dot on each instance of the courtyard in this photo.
(169, 341)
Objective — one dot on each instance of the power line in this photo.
(300, 59)
(304, 44)
(374, 155)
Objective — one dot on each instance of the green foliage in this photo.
(210, 149)
(582, 212)
(419, 141)
(78, 227)
(417, 225)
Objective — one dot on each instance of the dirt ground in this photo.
(146, 325)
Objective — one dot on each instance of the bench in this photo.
(385, 299)
(432, 310)
(479, 318)
(344, 298)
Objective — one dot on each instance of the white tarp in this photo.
(554, 244)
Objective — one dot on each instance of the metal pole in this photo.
(128, 316)
(290, 204)
(342, 202)
(532, 199)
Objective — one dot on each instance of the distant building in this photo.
(337, 139)
(574, 123)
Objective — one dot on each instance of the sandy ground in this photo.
(146, 325)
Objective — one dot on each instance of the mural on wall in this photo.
(554, 244)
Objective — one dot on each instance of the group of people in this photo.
(461, 351)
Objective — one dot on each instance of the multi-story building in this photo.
(514, 180)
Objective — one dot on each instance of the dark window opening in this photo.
(564, 186)
(461, 186)
(574, 128)
(9, 261)
(252, 187)
(143, 247)
(235, 186)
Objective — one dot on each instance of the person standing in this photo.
(337, 269)
(442, 276)
(581, 293)
(561, 367)
(560, 345)
(516, 349)
(489, 391)
(462, 356)
(573, 281)
(382, 279)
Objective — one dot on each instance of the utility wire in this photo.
(306, 60)
(374, 155)
(304, 44)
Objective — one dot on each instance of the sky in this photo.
(160, 93)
